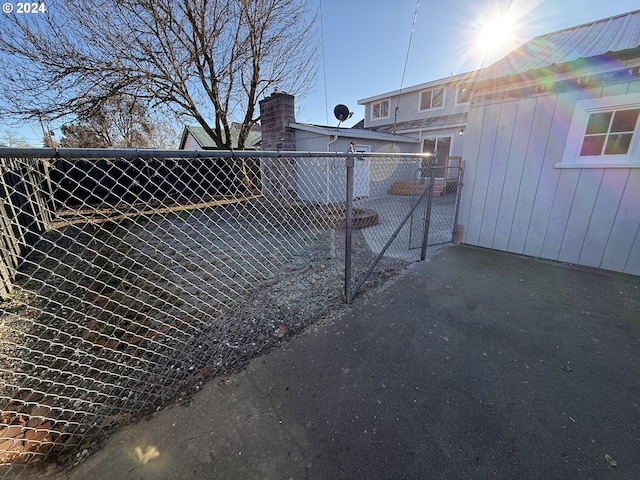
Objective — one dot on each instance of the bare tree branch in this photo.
(208, 60)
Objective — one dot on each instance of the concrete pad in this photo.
(473, 364)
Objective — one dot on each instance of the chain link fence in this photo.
(129, 278)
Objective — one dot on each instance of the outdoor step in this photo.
(415, 187)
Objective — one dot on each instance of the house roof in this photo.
(205, 142)
(433, 123)
(614, 35)
(353, 133)
(460, 78)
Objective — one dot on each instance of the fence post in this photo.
(349, 162)
(427, 216)
(457, 232)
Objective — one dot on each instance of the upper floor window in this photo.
(380, 109)
(463, 93)
(431, 99)
(604, 132)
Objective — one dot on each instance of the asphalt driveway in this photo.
(472, 365)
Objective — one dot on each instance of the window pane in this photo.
(618, 144)
(599, 122)
(384, 106)
(376, 110)
(429, 145)
(592, 145)
(438, 96)
(625, 121)
(425, 100)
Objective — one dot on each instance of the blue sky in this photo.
(365, 45)
(366, 41)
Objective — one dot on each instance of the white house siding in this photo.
(314, 142)
(515, 199)
(457, 142)
(191, 144)
(324, 180)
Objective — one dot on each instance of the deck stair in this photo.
(416, 187)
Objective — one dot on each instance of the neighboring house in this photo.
(319, 138)
(239, 178)
(434, 112)
(281, 132)
(552, 148)
(196, 138)
(335, 139)
(324, 180)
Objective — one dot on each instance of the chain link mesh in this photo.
(408, 205)
(127, 281)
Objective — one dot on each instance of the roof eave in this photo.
(183, 138)
(461, 77)
(353, 134)
(609, 62)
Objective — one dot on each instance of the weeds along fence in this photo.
(128, 278)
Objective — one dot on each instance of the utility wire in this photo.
(406, 61)
(324, 68)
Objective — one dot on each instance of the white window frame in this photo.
(362, 148)
(571, 157)
(380, 102)
(430, 91)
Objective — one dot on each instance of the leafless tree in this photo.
(10, 138)
(208, 60)
(120, 122)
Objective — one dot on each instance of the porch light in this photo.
(461, 132)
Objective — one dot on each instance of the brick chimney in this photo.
(278, 174)
(276, 111)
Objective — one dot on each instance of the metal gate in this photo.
(419, 209)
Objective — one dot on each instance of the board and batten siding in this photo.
(515, 199)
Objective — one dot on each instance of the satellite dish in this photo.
(342, 112)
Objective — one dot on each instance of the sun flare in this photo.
(498, 31)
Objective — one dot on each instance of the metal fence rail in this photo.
(128, 278)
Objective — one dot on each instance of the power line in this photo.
(324, 68)
(406, 61)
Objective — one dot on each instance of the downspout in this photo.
(335, 139)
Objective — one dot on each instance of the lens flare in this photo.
(497, 34)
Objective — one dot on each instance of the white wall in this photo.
(515, 199)
(315, 142)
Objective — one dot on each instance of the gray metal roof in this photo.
(433, 123)
(206, 142)
(609, 35)
(353, 132)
